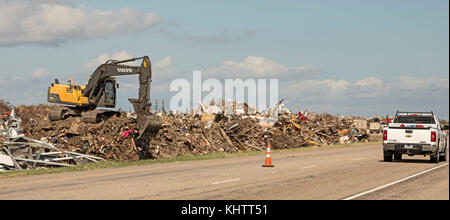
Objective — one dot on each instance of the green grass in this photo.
(117, 164)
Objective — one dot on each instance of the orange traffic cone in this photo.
(268, 159)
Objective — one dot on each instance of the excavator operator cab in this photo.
(110, 93)
(107, 93)
(69, 83)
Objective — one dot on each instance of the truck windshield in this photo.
(414, 120)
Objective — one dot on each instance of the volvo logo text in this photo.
(124, 70)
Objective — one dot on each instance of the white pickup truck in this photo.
(415, 133)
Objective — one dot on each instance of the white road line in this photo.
(393, 183)
(309, 167)
(358, 159)
(226, 181)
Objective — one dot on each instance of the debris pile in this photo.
(112, 139)
(317, 130)
(20, 152)
(181, 134)
(196, 135)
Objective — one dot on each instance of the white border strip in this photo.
(393, 183)
(313, 166)
(227, 181)
(358, 159)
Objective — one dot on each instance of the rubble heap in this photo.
(190, 135)
(20, 152)
(186, 134)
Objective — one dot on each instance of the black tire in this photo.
(387, 156)
(443, 156)
(397, 156)
(435, 158)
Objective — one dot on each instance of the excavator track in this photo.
(95, 116)
(61, 113)
(88, 116)
(92, 117)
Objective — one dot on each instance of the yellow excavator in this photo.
(100, 91)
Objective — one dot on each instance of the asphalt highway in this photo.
(349, 172)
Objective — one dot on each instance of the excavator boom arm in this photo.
(148, 126)
(116, 68)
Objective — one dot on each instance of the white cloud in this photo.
(53, 22)
(40, 73)
(164, 63)
(164, 70)
(260, 67)
(320, 90)
(420, 83)
(369, 82)
(371, 95)
(161, 67)
(371, 87)
(91, 65)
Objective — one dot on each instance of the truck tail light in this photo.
(433, 136)
(385, 135)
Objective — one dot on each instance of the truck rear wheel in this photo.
(397, 156)
(443, 156)
(387, 156)
(435, 158)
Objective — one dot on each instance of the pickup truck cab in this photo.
(415, 133)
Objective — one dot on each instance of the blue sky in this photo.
(362, 57)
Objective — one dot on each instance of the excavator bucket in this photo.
(149, 125)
